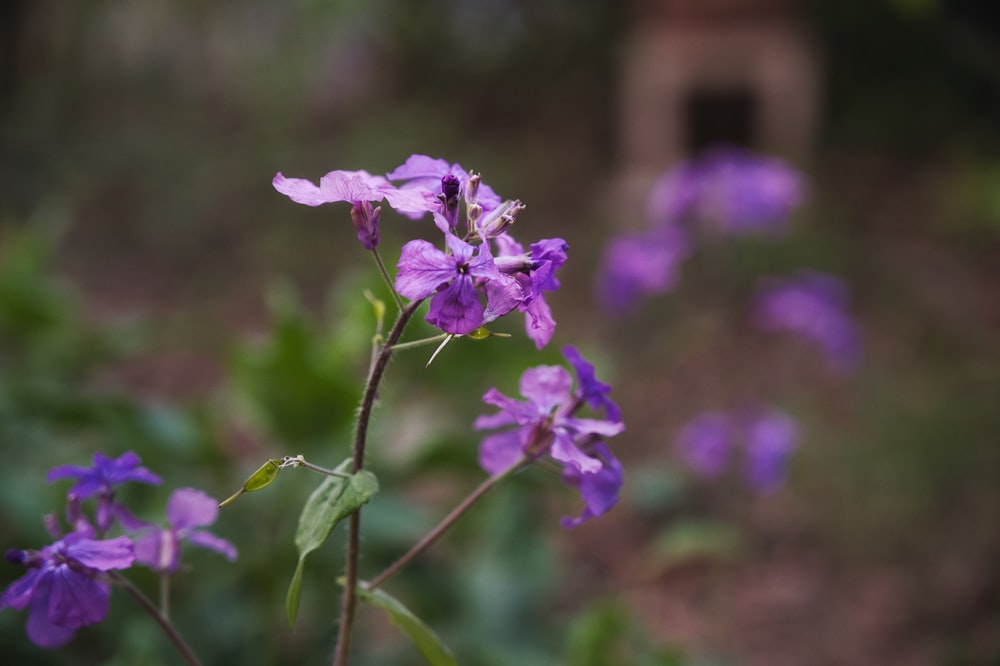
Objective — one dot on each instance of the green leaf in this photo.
(434, 651)
(333, 500)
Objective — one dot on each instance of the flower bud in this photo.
(500, 218)
(365, 220)
(472, 188)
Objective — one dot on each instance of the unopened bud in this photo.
(500, 218)
(262, 478)
(472, 188)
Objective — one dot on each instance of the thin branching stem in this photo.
(349, 598)
(164, 624)
(388, 280)
(440, 529)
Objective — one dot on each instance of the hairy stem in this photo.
(163, 622)
(440, 529)
(349, 598)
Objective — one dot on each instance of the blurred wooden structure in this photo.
(701, 72)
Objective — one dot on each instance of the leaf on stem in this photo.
(426, 641)
(333, 500)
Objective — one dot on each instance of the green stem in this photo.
(441, 528)
(413, 344)
(165, 595)
(388, 280)
(160, 619)
(349, 598)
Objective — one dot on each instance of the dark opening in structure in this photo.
(720, 116)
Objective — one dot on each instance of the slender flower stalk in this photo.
(442, 526)
(349, 599)
(160, 619)
(388, 280)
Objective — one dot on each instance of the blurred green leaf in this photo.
(333, 500)
(297, 383)
(434, 651)
(695, 539)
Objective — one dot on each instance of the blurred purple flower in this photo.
(100, 480)
(706, 443)
(771, 436)
(767, 436)
(544, 424)
(361, 189)
(425, 270)
(62, 588)
(641, 265)
(813, 305)
(728, 190)
(187, 509)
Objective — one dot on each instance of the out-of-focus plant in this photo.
(718, 198)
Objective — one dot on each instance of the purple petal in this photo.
(40, 628)
(20, 592)
(189, 507)
(158, 549)
(457, 309)
(522, 412)
(498, 452)
(352, 186)
(538, 322)
(411, 201)
(594, 391)
(102, 555)
(565, 451)
(547, 386)
(299, 190)
(422, 269)
(599, 490)
(420, 166)
(67, 472)
(503, 294)
(208, 540)
(598, 427)
(76, 599)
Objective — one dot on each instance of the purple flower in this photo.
(730, 191)
(641, 265)
(100, 480)
(447, 181)
(706, 443)
(594, 391)
(599, 489)
(535, 273)
(767, 438)
(62, 589)
(770, 439)
(544, 424)
(187, 509)
(813, 305)
(425, 270)
(360, 189)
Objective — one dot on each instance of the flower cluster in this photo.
(67, 586)
(545, 425)
(480, 273)
(767, 436)
(814, 306)
(724, 192)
